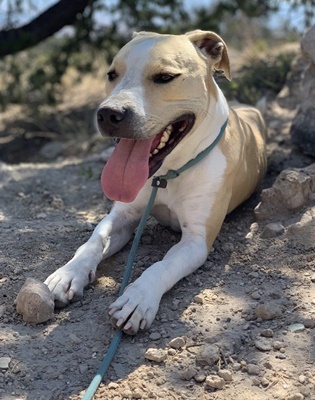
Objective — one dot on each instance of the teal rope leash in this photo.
(157, 182)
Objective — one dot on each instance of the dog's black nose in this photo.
(110, 117)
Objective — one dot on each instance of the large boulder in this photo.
(303, 126)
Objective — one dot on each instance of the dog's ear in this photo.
(213, 47)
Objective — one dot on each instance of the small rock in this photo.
(302, 379)
(272, 230)
(113, 385)
(207, 355)
(177, 343)
(215, 382)
(75, 339)
(155, 336)
(256, 381)
(253, 369)
(264, 382)
(262, 345)
(137, 394)
(277, 345)
(4, 362)
(41, 216)
(157, 355)
(35, 302)
(309, 323)
(296, 396)
(225, 374)
(256, 295)
(188, 374)
(268, 311)
(236, 366)
(199, 299)
(199, 378)
(313, 277)
(83, 368)
(268, 333)
(296, 328)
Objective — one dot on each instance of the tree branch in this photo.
(46, 24)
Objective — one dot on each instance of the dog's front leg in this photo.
(137, 307)
(111, 234)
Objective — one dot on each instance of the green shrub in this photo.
(262, 77)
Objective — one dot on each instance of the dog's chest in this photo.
(166, 216)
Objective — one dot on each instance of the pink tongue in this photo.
(127, 170)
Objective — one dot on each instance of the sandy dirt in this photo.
(48, 209)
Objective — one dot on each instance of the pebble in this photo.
(309, 323)
(35, 302)
(253, 369)
(157, 355)
(207, 355)
(41, 216)
(75, 339)
(177, 343)
(4, 362)
(188, 374)
(137, 394)
(225, 374)
(215, 382)
(264, 381)
(83, 368)
(262, 345)
(199, 378)
(199, 299)
(272, 230)
(268, 311)
(313, 277)
(113, 385)
(236, 366)
(296, 328)
(155, 336)
(296, 396)
(256, 295)
(302, 379)
(268, 333)
(277, 345)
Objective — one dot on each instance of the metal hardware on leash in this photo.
(157, 182)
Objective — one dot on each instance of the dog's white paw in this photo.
(136, 309)
(68, 283)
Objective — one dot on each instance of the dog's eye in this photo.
(164, 78)
(112, 75)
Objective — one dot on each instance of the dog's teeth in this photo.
(165, 137)
(161, 145)
(150, 155)
(155, 151)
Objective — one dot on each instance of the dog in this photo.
(164, 108)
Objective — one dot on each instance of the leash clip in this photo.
(159, 182)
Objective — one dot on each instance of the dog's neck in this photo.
(202, 135)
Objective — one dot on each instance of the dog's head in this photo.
(158, 90)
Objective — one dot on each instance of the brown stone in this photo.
(35, 302)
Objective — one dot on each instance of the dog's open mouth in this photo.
(134, 161)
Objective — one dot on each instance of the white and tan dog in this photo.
(164, 106)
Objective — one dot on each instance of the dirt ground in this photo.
(49, 209)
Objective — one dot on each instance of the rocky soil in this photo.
(241, 327)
